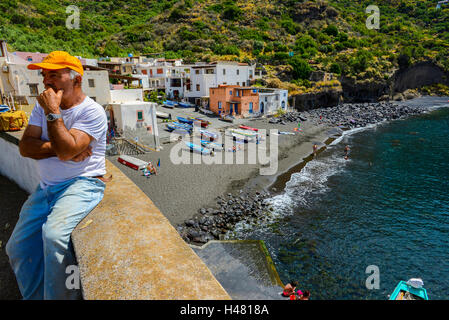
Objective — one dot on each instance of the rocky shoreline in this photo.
(359, 115)
(252, 207)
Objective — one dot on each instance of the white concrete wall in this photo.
(126, 115)
(23, 171)
(126, 95)
(101, 90)
(273, 99)
(20, 78)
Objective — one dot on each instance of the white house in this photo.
(205, 76)
(169, 75)
(128, 113)
(270, 100)
(24, 85)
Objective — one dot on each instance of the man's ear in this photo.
(78, 81)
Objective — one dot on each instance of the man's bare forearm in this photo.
(63, 143)
(35, 148)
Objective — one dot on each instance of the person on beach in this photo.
(151, 169)
(67, 135)
(315, 148)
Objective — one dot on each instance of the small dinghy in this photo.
(411, 290)
(196, 148)
(185, 105)
(184, 120)
(248, 128)
(169, 104)
(162, 115)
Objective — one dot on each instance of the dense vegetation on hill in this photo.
(293, 36)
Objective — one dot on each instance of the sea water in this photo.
(387, 206)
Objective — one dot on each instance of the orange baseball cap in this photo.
(58, 60)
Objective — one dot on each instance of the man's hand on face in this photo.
(50, 101)
(83, 155)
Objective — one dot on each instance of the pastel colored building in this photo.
(204, 76)
(271, 100)
(20, 85)
(234, 100)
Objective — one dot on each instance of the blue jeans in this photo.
(40, 248)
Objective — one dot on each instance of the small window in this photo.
(33, 89)
(197, 87)
(140, 115)
(160, 71)
(224, 71)
(230, 92)
(197, 71)
(238, 71)
(91, 83)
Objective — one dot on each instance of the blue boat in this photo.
(184, 125)
(185, 105)
(212, 145)
(197, 148)
(410, 290)
(179, 128)
(169, 104)
(184, 120)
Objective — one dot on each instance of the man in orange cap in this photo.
(66, 134)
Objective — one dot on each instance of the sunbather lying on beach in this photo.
(151, 168)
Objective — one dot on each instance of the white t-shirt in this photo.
(89, 117)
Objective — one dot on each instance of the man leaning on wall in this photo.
(66, 134)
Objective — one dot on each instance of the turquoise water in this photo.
(387, 206)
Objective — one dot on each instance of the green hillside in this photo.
(330, 36)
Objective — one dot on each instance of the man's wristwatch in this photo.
(53, 116)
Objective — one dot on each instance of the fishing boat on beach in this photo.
(169, 104)
(196, 148)
(206, 112)
(212, 145)
(411, 290)
(246, 133)
(227, 118)
(162, 115)
(240, 137)
(248, 128)
(203, 123)
(183, 104)
(184, 120)
(207, 135)
(179, 127)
